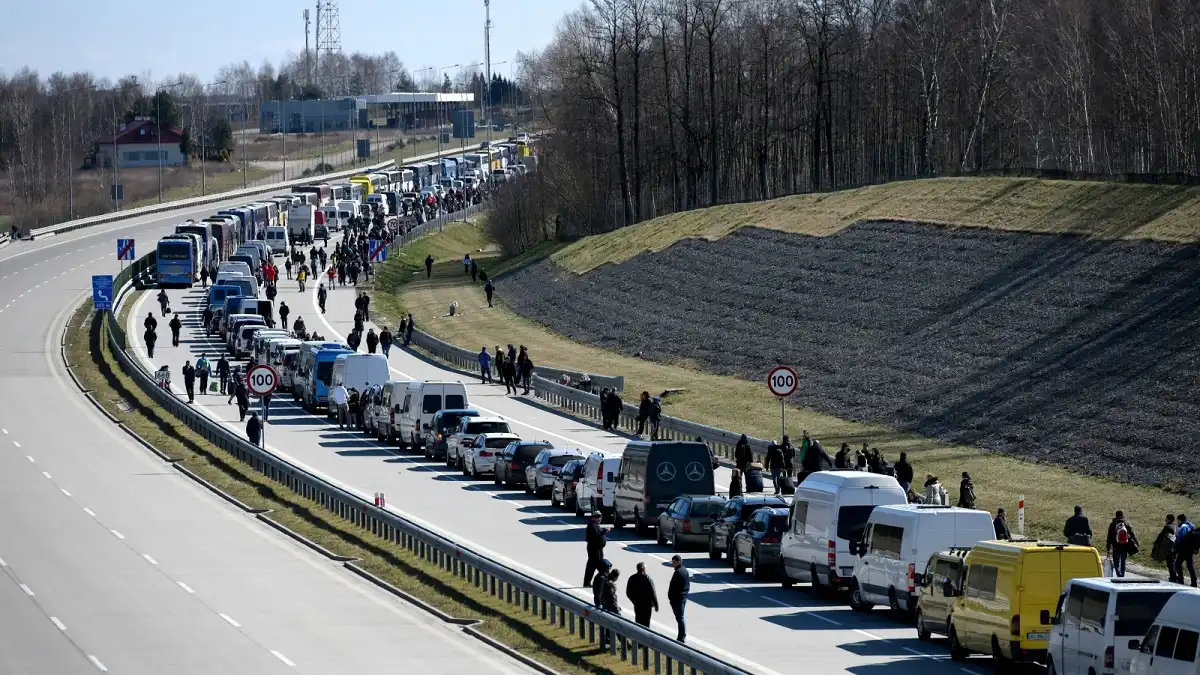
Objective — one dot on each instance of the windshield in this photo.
(497, 442)
(852, 520)
(175, 250)
(1137, 610)
(431, 404)
(706, 509)
(487, 427)
(561, 460)
(325, 372)
(456, 401)
(777, 524)
(450, 421)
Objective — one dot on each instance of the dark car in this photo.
(566, 484)
(444, 423)
(653, 474)
(688, 519)
(510, 465)
(758, 544)
(733, 518)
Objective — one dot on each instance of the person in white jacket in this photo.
(340, 398)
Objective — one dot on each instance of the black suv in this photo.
(733, 518)
(511, 463)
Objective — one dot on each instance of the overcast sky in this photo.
(162, 38)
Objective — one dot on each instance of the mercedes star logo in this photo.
(666, 472)
(694, 471)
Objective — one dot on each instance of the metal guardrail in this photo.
(634, 644)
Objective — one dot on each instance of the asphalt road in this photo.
(760, 625)
(110, 561)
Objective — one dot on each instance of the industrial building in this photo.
(403, 110)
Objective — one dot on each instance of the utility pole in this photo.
(487, 79)
(307, 54)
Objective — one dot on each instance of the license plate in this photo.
(1037, 636)
(705, 528)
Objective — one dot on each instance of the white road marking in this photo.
(2, 563)
(64, 491)
(5, 431)
(150, 560)
(28, 590)
(89, 512)
(283, 658)
(231, 621)
(31, 459)
(18, 444)
(47, 476)
(186, 587)
(58, 624)
(96, 662)
(870, 636)
(116, 534)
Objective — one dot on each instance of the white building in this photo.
(137, 145)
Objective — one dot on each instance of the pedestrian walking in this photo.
(164, 303)
(904, 472)
(223, 373)
(474, 272)
(322, 295)
(242, 394)
(485, 366)
(1078, 530)
(176, 325)
(609, 603)
(966, 492)
(640, 591)
(366, 306)
(408, 331)
(287, 266)
(189, 380)
(789, 453)
(643, 413)
(510, 376)
(372, 341)
(742, 454)
(385, 341)
(1000, 524)
(284, 310)
(150, 338)
(254, 429)
(204, 277)
(467, 264)
(525, 369)
(1120, 543)
(1187, 540)
(203, 370)
(298, 327)
(677, 594)
(655, 415)
(428, 266)
(1163, 550)
(774, 463)
(488, 289)
(596, 538)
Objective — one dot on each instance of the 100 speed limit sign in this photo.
(782, 381)
(262, 380)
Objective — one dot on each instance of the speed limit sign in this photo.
(782, 381)
(262, 380)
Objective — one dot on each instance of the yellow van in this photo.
(367, 187)
(998, 608)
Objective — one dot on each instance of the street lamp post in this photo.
(158, 133)
(203, 138)
(70, 162)
(437, 104)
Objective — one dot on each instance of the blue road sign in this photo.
(102, 291)
(124, 249)
(377, 249)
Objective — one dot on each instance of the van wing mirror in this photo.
(396, 408)
(948, 589)
(611, 477)
(1135, 645)
(1045, 618)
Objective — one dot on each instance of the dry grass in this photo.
(1108, 210)
(743, 406)
(97, 370)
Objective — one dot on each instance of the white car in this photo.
(597, 487)
(540, 475)
(479, 453)
(470, 427)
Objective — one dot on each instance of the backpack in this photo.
(1122, 534)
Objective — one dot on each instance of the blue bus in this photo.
(177, 264)
(316, 370)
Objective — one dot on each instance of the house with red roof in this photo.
(137, 144)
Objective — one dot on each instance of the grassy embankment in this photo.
(1098, 209)
(98, 372)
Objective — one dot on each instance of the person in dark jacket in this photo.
(599, 581)
(735, 483)
(643, 413)
(1078, 530)
(966, 492)
(489, 289)
(509, 372)
(322, 296)
(789, 455)
(596, 537)
(525, 370)
(774, 463)
(1186, 539)
(223, 373)
(1164, 545)
(150, 337)
(655, 417)
(1000, 525)
(242, 394)
(176, 326)
(189, 380)
(358, 318)
(815, 458)
(206, 318)
(1121, 542)
(677, 594)
(408, 330)
(428, 266)
(604, 408)
(284, 310)
(608, 593)
(372, 341)
(841, 460)
(254, 428)
(640, 591)
(904, 472)
(385, 340)
(742, 454)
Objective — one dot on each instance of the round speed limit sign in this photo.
(262, 380)
(782, 381)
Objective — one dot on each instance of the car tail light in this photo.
(599, 472)
(485, 453)
(515, 466)
(1014, 626)
(832, 557)
(574, 483)
(912, 578)
(687, 525)
(546, 469)
(771, 539)
(1109, 657)
(393, 417)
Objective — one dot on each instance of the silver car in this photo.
(540, 475)
(479, 453)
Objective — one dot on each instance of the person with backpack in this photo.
(1164, 546)
(743, 455)
(1078, 530)
(1120, 543)
(1187, 540)
(966, 492)
(655, 416)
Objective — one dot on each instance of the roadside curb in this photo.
(178, 465)
(509, 651)
(406, 596)
(78, 384)
(146, 444)
(96, 402)
(261, 515)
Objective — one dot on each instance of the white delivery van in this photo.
(349, 206)
(1099, 623)
(277, 351)
(1169, 646)
(235, 266)
(277, 239)
(332, 221)
(264, 249)
(412, 416)
(357, 371)
(379, 199)
(831, 509)
(897, 544)
(301, 220)
(597, 486)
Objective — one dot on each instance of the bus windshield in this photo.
(174, 250)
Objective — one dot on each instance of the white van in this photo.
(829, 511)
(356, 371)
(348, 206)
(380, 200)
(264, 249)
(277, 350)
(301, 219)
(897, 544)
(411, 417)
(598, 485)
(277, 239)
(1099, 623)
(1169, 647)
(235, 266)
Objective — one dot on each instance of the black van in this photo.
(655, 472)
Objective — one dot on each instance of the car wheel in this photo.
(1000, 663)
(554, 501)
(675, 543)
(857, 602)
(713, 553)
(894, 601)
(1050, 668)
(815, 587)
(578, 510)
(496, 478)
(618, 522)
(475, 472)
(755, 570)
(639, 525)
(957, 652)
(785, 580)
(923, 632)
(738, 566)
(528, 490)
(660, 537)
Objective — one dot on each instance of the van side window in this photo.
(407, 398)
(799, 517)
(431, 403)
(886, 539)
(455, 402)
(981, 582)
(1166, 642)
(1185, 646)
(974, 575)
(1095, 610)
(1074, 606)
(1148, 642)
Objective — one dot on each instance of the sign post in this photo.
(377, 248)
(102, 291)
(124, 251)
(262, 381)
(1021, 515)
(782, 381)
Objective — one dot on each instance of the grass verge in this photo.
(739, 405)
(97, 370)
(1107, 210)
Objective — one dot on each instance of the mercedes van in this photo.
(652, 474)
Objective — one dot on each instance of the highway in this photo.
(761, 626)
(110, 561)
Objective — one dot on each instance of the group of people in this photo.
(513, 367)
(1176, 544)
